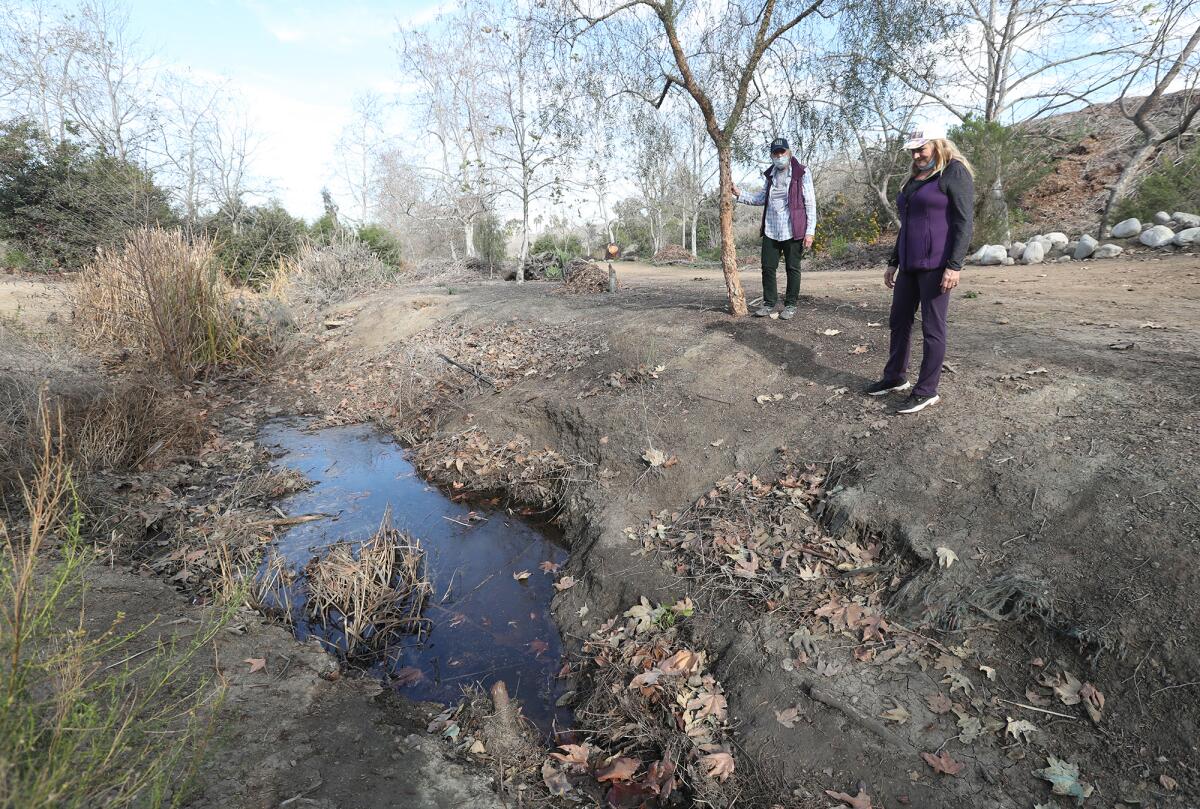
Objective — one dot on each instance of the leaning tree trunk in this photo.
(733, 280)
(1121, 187)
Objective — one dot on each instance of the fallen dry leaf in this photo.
(256, 663)
(409, 675)
(859, 349)
(683, 662)
(1064, 779)
(899, 715)
(555, 780)
(549, 567)
(565, 583)
(539, 647)
(620, 768)
(943, 763)
(521, 575)
(709, 704)
(1093, 701)
(654, 457)
(1020, 729)
(718, 765)
(574, 754)
(831, 332)
(946, 557)
(787, 717)
(1168, 783)
(860, 801)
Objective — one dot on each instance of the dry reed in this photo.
(373, 594)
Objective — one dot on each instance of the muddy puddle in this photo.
(485, 625)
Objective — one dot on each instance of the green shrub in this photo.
(382, 243)
(563, 245)
(252, 240)
(491, 240)
(59, 202)
(1172, 185)
(843, 221)
(1019, 160)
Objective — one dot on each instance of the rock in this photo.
(1186, 220)
(1016, 249)
(1127, 229)
(1035, 251)
(1062, 259)
(1068, 249)
(1009, 261)
(1162, 218)
(1157, 236)
(1108, 251)
(1086, 246)
(1058, 239)
(1188, 237)
(991, 254)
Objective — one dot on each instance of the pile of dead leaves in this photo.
(654, 720)
(471, 463)
(584, 278)
(759, 539)
(673, 254)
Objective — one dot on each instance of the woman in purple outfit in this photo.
(936, 207)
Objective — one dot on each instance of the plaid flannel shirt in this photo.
(779, 218)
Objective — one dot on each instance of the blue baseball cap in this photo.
(779, 145)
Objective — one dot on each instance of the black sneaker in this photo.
(883, 386)
(915, 403)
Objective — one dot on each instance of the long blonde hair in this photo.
(944, 151)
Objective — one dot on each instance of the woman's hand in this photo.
(949, 280)
(889, 278)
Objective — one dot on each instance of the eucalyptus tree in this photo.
(710, 54)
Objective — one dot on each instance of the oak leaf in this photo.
(943, 763)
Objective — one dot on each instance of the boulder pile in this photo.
(1167, 231)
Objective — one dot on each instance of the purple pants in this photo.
(924, 288)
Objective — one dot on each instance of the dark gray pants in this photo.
(792, 251)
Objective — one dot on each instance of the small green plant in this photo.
(82, 723)
(972, 294)
(1172, 185)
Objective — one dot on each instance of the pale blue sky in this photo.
(296, 67)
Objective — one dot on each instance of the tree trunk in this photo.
(1121, 186)
(695, 222)
(733, 280)
(524, 240)
(886, 204)
(996, 206)
(469, 239)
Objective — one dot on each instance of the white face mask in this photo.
(781, 161)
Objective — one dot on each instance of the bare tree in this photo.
(450, 109)
(188, 117)
(362, 142)
(528, 131)
(111, 85)
(712, 53)
(1168, 58)
(37, 51)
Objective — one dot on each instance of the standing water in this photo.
(485, 623)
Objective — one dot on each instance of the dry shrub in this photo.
(324, 274)
(372, 593)
(162, 294)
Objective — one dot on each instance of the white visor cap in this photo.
(920, 135)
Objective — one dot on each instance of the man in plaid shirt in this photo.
(789, 222)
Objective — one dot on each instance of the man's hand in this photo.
(949, 280)
(889, 278)
(808, 242)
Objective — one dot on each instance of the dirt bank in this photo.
(1060, 470)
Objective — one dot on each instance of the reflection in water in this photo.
(486, 625)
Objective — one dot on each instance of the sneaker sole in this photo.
(918, 408)
(898, 389)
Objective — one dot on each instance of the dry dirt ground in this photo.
(1060, 469)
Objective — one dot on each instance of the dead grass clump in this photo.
(372, 593)
(163, 294)
(324, 274)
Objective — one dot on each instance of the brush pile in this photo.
(655, 720)
(585, 278)
(674, 254)
(365, 597)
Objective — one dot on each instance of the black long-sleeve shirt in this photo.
(957, 184)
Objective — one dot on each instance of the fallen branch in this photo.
(459, 365)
